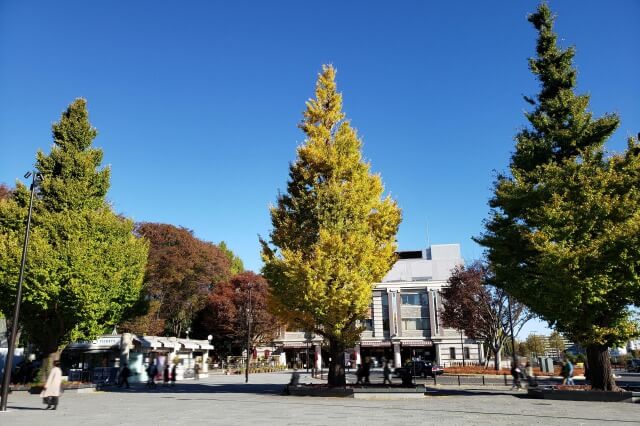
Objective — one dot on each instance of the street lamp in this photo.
(35, 178)
(246, 372)
(462, 344)
(513, 339)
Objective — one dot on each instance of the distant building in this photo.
(404, 320)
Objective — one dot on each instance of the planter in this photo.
(580, 395)
(358, 392)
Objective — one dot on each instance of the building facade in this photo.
(403, 321)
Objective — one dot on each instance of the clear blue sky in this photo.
(196, 103)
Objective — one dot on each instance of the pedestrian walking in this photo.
(173, 374)
(152, 371)
(52, 389)
(366, 370)
(567, 373)
(528, 372)
(165, 375)
(387, 373)
(359, 374)
(124, 376)
(515, 373)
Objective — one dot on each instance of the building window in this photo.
(368, 324)
(452, 353)
(415, 324)
(385, 312)
(414, 299)
(467, 353)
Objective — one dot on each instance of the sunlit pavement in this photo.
(227, 400)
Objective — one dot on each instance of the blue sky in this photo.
(197, 103)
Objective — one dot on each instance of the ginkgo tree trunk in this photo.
(333, 231)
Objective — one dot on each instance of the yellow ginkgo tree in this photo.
(333, 231)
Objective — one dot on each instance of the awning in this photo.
(297, 345)
(186, 344)
(375, 343)
(417, 343)
(205, 346)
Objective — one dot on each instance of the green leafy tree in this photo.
(556, 343)
(182, 270)
(85, 266)
(564, 234)
(536, 345)
(333, 232)
(236, 263)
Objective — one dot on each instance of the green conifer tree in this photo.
(334, 234)
(84, 266)
(564, 233)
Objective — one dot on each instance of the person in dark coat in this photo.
(173, 374)
(366, 370)
(165, 375)
(386, 373)
(124, 376)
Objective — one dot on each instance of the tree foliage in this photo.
(333, 233)
(536, 345)
(236, 263)
(181, 272)
(229, 307)
(472, 305)
(84, 266)
(5, 192)
(564, 232)
(556, 342)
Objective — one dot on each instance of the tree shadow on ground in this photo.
(186, 388)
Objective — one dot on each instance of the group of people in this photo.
(519, 372)
(168, 374)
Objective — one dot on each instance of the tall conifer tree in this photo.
(84, 266)
(564, 234)
(333, 232)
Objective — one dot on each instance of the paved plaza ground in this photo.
(227, 400)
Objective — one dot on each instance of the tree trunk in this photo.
(497, 353)
(487, 358)
(336, 364)
(599, 364)
(47, 363)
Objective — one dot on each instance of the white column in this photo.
(356, 349)
(205, 361)
(397, 361)
(318, 355)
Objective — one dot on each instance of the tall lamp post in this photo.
(513, 339)
(246, 371)
(35, 178)
(462, 345)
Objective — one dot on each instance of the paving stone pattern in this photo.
(227, 400)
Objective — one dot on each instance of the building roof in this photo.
(433, 264)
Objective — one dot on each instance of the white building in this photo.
(404, 320)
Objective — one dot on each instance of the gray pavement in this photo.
(227, 400)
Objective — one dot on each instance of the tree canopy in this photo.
(230, 305)
(564, 231)
(333, 232)
(84, 266)
(471, 304)
(181, 273)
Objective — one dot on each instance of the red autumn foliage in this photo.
(229, 307)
